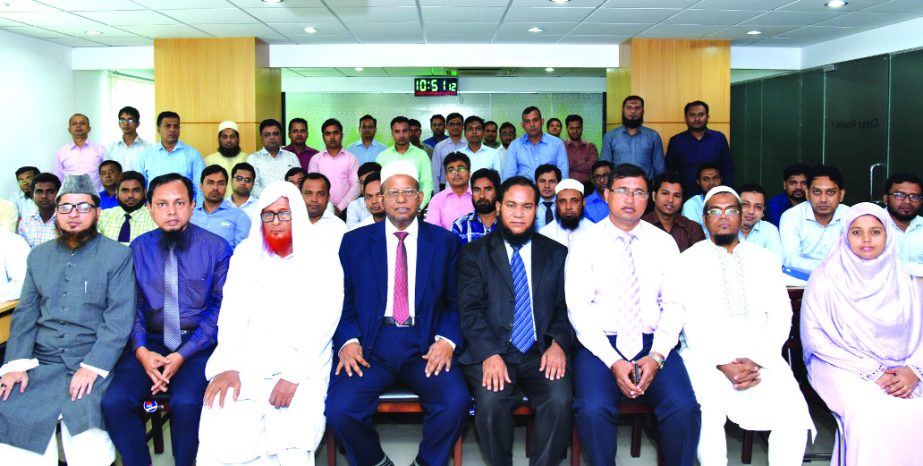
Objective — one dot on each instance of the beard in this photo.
(278, 244)
(78, 237)
(726, 239)
(901, 217)
(569, 223)
(229, 153)
(485, 207)
(517, 239)
(128, 209)
(632, 123)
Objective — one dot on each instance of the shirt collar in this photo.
(614, 231)
(179, 145)
(412, 230)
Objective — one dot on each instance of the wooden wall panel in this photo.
(618, 86)
(207, 81)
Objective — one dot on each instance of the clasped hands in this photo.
(159, 368)
(623, 371)
(280, 397)
(898, 381)
(742, 372)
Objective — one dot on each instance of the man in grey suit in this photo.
(76, 310)
(517, 335)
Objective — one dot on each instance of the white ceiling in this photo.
(784, 23)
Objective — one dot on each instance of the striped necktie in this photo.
(171, 321)
(523, 330)
(629, 341)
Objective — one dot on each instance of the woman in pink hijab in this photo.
(861, 326)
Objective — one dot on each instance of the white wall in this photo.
(91, 98)
(36, 97)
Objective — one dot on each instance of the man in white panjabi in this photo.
(738, 316)
(268, 376)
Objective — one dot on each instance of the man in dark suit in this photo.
(385, 337)
(517, 336)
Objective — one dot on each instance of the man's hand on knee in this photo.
(10, 379)
(220, 385)
(282, 394)
(351, 359)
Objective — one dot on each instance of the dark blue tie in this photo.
(523, 331)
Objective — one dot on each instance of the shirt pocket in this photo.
(193, 292)
(95, 294)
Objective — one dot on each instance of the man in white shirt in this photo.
(271, 162)
(809, 230)
(904, 199)
(127, 149)
(23, 197)
(753, 229)
(270, 371)
(615, 280)
(374, 200)
(13, 253)
(738, 316)
(569, 220)
(357, 210)
(709, 176)
(315, 191)
(481, 155)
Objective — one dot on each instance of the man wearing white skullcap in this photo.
(400, 324)
(568, 219)
(738, 316)
(228, 154)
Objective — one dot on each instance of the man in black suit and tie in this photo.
(517, 335)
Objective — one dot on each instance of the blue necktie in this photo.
(171, 323)
(523, 331)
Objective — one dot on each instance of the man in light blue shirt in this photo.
(810, 229)
(127, 150)
(634, 143)
(904, 198)
(481, 155)
(454, 143)
(753, 229)
(171, 155)
(594, 206)
(366, 149)
(709, 176)
(534, 148)
(217, 214)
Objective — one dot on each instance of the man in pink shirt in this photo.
(79, 156)
(455, 200)
(339, 166)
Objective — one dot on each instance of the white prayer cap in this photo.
(398, 167)
(568, 183)
(227, 124)
(719, 190)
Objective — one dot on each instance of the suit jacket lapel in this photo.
(379, 249)
(497, 252)
(538, 267)
(424, 262)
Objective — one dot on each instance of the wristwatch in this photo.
(656, 357)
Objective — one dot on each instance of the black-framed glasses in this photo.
(269, 217)
(82, 208)
(901, 196)
(730, 212)
(451, 170)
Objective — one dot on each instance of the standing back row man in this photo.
(271, 162)
(454, 143)
(229, 153)
(171, 155)
(338, 165)
(366, 149)
(127, 149)
(80, 155)
(25, 205)
(402, 150)
(581, 155)
(794, 186)
(633, 142)
(534, 148)
(687, 151)
(298, 135)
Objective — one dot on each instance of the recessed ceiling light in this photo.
(93, 32)
(535, 29)
(549, 69)
(273, 1)
(754, 33)
(359, 68)
(310, 29)
(836, 3)
(559, 1)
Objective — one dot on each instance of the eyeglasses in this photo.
(730, 212)
(269, 217)
(128, 121)
(82, 208)
(456, 170)
(394, 193)
(624, 192)
(601, 176)
(27, 180)
(901, 196)
(243, 179)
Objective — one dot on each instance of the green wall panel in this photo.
(906, 103)
(812, 118)
(781, 127)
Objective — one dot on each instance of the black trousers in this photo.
(550, 400)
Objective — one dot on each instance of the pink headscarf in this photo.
(869, 308)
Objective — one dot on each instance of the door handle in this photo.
(872, 168)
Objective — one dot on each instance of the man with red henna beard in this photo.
(269, 374)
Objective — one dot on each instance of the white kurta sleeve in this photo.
(233, 319)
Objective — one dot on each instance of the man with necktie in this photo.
(180, 270)
(627, 327)
(400, 325)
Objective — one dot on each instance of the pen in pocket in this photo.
(84, 287)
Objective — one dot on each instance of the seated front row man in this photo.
(738, 316)
(400, 324)
(270, 370)
(615, 276)
(74, 318)
(517, 337)
(180, 270)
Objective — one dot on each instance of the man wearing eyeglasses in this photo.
(737, 317)
(242, 178)
(614, 283)
(127, 149)
(269, 374)
(904, 198)
(180, 270)
(455, 200)
(76, 311)
(400, 324)
(23, 197)
(455, 124)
